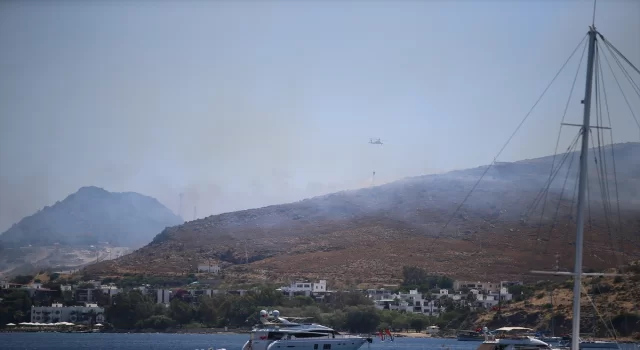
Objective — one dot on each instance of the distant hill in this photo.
(93, 215)
(369, 234)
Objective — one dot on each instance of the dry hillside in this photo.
(607, 303)
(367, 235)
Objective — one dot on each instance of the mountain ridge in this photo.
(90, 215)
(381, 228)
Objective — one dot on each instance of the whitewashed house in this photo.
(412, 302)
(305, 288)
(209, 267)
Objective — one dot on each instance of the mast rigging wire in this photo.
(511, 137)
(626, 100)
(564, 114)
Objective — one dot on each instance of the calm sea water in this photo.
(103, 341)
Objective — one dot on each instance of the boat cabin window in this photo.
(326, 346)
(314, 334)
(275, 335)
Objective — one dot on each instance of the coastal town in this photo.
(84, 302)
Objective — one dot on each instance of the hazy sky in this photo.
(246, 103)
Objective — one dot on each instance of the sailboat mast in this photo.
(577, 278)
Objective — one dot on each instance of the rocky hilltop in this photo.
(610, 303)
(93, 215)
(367, 235)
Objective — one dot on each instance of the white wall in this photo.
(74, 314)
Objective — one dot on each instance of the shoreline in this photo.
(413, 335)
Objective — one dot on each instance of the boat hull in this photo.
(470, 338)
(307, 344)
(598, 345)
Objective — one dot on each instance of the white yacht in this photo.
(433, 330)
(511, 338)
(276, 332)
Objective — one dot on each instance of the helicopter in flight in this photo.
(375, 141)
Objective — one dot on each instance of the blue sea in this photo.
(140, 341)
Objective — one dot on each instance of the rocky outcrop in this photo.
(612, 303)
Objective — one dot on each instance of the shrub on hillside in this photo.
(601, 289)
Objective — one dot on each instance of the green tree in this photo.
(157, 322)
(128, 309)
(242, 310)
(207, 312)
(337, 320)
(181, 311)
(362, 319)
(22, 279)
(67, 298)
(15, 307)
(267, 296)
(418, 278)
(520, 292)
(417, 323)
(159, 310)
(101, 298)
(341, 300)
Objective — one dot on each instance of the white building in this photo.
(209, 267)
(203, 292)
(143, 289)
(90, 313)
(96, 284)
(484, 287)
(412, 302)
(163, 296)
(481, 286)
(5, 284)
(491, 299)
(110, 290)
(433, 304)
(306, 288)
(33, 285)
(379, 294)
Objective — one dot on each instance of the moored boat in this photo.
(511, 338)
(469, 335)
(276, 332)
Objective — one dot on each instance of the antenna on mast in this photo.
(593, 20)
(180, 206)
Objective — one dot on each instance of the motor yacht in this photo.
(511, 338)
(276, 332)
